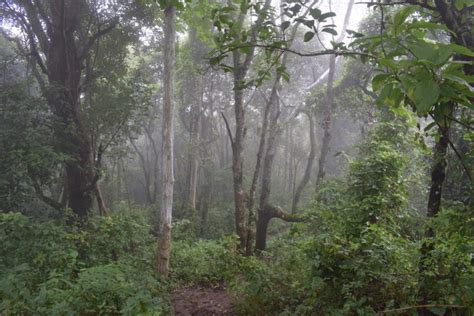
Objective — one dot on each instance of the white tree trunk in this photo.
(164, 242)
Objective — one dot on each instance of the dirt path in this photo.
(202, 301)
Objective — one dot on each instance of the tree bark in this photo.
(309, 163)
(164, 243)
(266, 211)
(100, 201)
(327, 114)
(438, 174)
(237, 150)
(52, 29)
(251, 218)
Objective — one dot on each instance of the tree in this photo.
(164, 244)
(327, 114)
(60, 44)
(427, 75)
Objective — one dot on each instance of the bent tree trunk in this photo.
(264, 217)
(266, 211)
(164, 242)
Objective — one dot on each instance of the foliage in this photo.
(451, 262)
(276, 282)
(204, 262)
(104, 268)
(418, 65)
(27, 158)
(358, 253)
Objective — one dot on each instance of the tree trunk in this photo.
(237, 150)
(52, 28)
(64, 74)
(264, 216)
(309, 164)
(164, 243)
(438, 174)
(241, 64)
(100, 201)
(327, 114)
(266, 211)
(251, 218)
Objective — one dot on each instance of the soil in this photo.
(201, 300)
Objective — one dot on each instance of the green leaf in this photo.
(295, 9)
(459, 80)
(425, 94)
(308, 36)
(329, 30)
(429, 126)
(428, 26)
(315, 13)
(461, 50)
(384, 94)
(379, 80)
(355, 34)
(326, 15)
(401, 16)
(285, 25)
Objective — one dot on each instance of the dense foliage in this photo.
(155, 149)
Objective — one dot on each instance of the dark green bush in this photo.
(51, 268)
(204, 261)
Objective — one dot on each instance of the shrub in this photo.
(50, 268)
(204, 261)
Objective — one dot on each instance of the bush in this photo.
(104, 268)
(202, 261)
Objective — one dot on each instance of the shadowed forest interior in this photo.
(241, 157)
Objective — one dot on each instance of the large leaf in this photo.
(401, 16)
(379, 80)
(308, 36)
(425, 94)
(461, 50)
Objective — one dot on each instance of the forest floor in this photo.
(201, 300)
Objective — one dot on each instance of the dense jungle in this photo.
(238, 157)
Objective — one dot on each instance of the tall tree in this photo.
(433, 88)
(164, 243)
(328, 109)
(63, 41)
(309, 164)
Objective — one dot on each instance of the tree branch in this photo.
(96, 36)
(276, 211)
(229, 131)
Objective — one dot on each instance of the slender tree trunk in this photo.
(291, 168)
(264, 215)
(327, 117)
(164, 243)
(241, 64)
(146, 172)
(193, 160)
(251, 218)
(309, 163)
(327, 114)
(237, 150)
(100, 201)
(193, 98)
